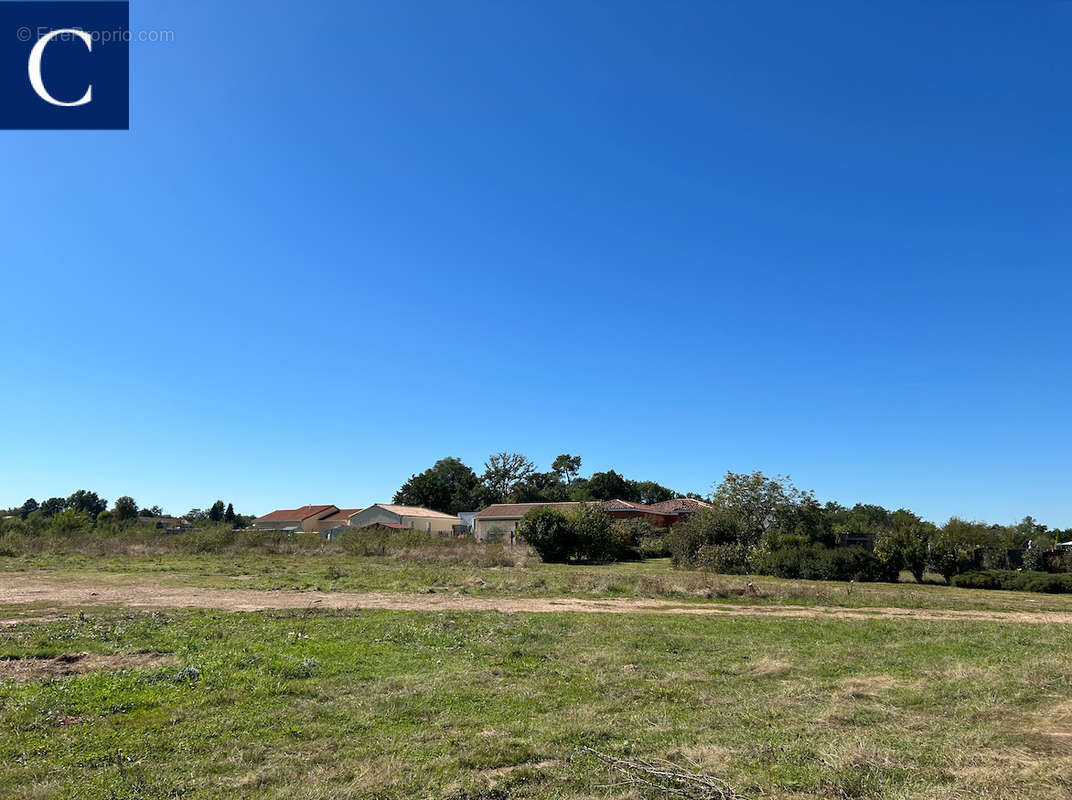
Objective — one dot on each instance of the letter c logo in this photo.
(35, 67)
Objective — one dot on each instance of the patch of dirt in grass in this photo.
(13, 621)
(29, 669)
(20, 589)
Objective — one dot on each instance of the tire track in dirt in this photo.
(57, 593)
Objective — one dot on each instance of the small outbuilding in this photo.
(413, 517)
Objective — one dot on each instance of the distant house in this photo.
(391, 516)
(339, 518)
(306, 518)
(500, 520)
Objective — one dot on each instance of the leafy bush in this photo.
(550, 533)
(725, 559)
(815, 562)
(595, 535)
(641, 537)
(1015, 581)
(702, 529)
(585, 533)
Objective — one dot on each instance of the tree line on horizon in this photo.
(95, 509)
(451, 486)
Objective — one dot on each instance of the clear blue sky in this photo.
(346, 239)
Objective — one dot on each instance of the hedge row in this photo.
(819, 563)
(1015, 581)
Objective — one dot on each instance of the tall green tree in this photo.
(215, 514)
(649, 492)
(229, 515)
(86, 502)
(125, 508)
(27, 508)
(567, 467)
(449, 486)
(504, 473)
(609, 485)
(53, 506)
(757, 502)
(906, 543)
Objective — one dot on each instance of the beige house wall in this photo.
(430, 524)
(483, 526)
(372, 515)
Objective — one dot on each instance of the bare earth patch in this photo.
(29, 669)
(20, 589)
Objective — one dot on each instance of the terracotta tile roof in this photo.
(515, 510)
(296, 514)
(341, 514)
(414, 511)
(622, 505)
(667, 508)
(679, 504)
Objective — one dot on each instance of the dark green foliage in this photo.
(596, 537)
(448, 486)
(608, 486)
(566, 467)
(642, 537)
(229, 515)
(550, 533)
(586, 533)
(125, 508)
(716, 526)
(215, 514)
(86, 502)
(504, 473)
(27, 508)
(53, 506)
(1015, 581)
(815, 562)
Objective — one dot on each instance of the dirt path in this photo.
(55, 593)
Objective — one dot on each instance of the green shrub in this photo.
(725, 559)
(550, 533)
(595, 535)
(815, 562)
(1015, 581)
(703, 528)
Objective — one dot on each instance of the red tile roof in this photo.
(667, 508)
(341, 514)
(680, 504)
(294, 514)
(514, 510)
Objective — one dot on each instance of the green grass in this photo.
(441, 570)
(485, 705)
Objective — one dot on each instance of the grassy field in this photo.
(111, 703)
(478, 574)
(484, 705)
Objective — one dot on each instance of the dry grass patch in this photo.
(768, 668)
(23, 670)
